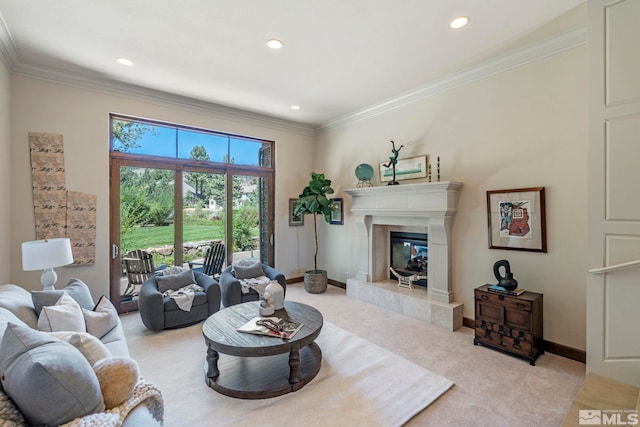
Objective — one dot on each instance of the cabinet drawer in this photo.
(506, 300)
(519, 345)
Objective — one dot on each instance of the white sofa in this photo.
(144, 407)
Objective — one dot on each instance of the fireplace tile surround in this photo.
(421, 208)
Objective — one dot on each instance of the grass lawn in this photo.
(146, 237)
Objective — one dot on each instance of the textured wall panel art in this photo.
(49, 191)
(81, 226)
(58, 212)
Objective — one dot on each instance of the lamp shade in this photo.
(48, 253)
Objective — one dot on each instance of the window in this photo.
(176, 189)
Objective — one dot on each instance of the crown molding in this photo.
(8, 53)
(151, 95)
(500, 64)
(10, 58)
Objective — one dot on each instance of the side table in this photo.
(512, 324)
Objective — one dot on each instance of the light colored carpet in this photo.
(359, 384)
(491, 389)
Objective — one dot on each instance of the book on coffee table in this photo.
(271, 326)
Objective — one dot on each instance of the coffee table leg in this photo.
(212, 360)
(294, 370)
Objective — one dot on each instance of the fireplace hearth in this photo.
(425, 209)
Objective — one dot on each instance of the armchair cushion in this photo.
(175, 281)
(247, 271)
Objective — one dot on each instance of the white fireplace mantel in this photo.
(426, 207)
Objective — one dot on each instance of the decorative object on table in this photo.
(277, 292)
(46, 255)
(294, 220)
(415, 167)
(313, 200)
(407, 281)
(516, 219)
(506, 282)
(266, 304)
(337, 212)
(364, 173)
(393, 161)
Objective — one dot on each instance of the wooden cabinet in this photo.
(509, 323)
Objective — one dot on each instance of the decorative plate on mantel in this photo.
(364, 172)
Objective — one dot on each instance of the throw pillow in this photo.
(102, 319)
(66, 315)
(76, 288)
(117, 377)
(175, 281)
(247, 271)
(49, 380)
(174, 270)
(91, 347)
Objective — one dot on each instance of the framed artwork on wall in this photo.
(294, 220)
(336, 213)
(415, 167)
(516, 219)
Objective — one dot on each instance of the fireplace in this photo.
(425, 209)
(409, 255)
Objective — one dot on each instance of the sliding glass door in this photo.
(176, 190)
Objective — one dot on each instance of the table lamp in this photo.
(46, 255)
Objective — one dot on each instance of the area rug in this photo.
(359, 384)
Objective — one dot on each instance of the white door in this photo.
(613, 296)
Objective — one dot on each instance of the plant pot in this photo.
(315, 281)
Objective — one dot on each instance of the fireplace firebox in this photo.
(409, 255)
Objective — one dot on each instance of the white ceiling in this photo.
(339, 56)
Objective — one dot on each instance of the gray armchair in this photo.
(231, 289)
(159, 312)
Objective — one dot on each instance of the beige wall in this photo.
(522, 128)
(82, 117)
(5, 174)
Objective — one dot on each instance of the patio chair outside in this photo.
(213, 261)
(139, 267)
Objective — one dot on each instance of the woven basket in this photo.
(315, 281)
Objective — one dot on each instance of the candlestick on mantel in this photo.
(438, 168)
(429, 172)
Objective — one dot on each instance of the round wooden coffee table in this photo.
(248, 366)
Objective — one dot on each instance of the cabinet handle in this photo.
(484, 297)
(521, 305)
(516, 344)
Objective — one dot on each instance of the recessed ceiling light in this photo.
(124, 61)
(274, 44)
(295, 107)
(459, 22)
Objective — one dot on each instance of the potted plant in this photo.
(313, 200)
